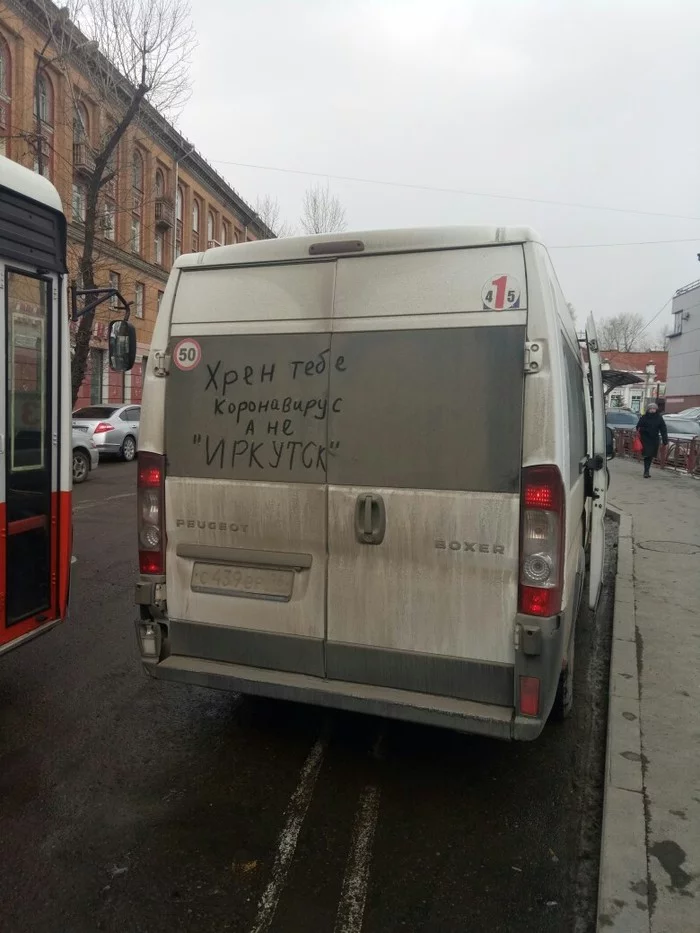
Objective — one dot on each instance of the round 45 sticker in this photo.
(187, 354)
(501, 293)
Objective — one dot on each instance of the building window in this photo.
(211, 229)
(195, 226)
(44, 99)
(5, 95)
(179, 199)
(159, 246)
(109, 220)
(78, 203)
(96, 376)
(5, 69)
(225, 233)
(139, 290)
(43, 113)
(677, 323)
(136, 200)
(135, 233)
(160, 184)
(114, 282)
(160, 298)
(81, 126)
(137, 172)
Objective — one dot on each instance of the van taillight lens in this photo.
(151, 513)
(541, 541)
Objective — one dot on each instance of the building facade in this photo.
(651, 368)
(684, 350)
(163, 199)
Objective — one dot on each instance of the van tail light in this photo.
(151, 512)
(103, 427)
(541, 541)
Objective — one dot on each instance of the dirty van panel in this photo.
(428, 409)
(255, 293)
(249, 557)
(424, 509)
(253, 407)
(442, 583)
(450, 281)
(245, 498)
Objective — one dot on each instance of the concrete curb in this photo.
(623, 902)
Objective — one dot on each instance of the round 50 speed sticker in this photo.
(187, 354)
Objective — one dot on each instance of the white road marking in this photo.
(354, 893)
(287, 842)
(95, 502)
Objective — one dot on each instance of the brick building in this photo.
(165, 198)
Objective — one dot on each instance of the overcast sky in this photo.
(588, 103)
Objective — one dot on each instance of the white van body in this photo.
(334, 438)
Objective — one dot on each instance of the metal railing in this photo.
(681, 456)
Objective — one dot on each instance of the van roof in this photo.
(28, 183)
(290, 249)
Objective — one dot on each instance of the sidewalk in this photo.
(659, 593)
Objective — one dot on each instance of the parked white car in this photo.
(693, 413)
(113, 428)
(86, 457)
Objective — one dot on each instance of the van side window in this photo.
(577, 412)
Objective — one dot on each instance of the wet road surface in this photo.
(131, 805)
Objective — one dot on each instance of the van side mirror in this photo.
(609, 443)
(122, 346)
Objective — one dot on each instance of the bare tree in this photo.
(322, 212)
(268, 210)
(132, 54)
(622, 332)
(658, 341)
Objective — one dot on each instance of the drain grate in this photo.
(669, 547)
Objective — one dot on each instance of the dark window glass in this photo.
(94, 412)
(577, 412)
(427, 409)
(621, 417)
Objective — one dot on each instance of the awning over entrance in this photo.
(616, 378)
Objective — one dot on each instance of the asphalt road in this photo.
(130, 805)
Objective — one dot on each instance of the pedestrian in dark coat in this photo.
(651, 426)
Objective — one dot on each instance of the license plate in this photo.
(256, 583)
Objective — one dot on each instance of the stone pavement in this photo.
(664, 605)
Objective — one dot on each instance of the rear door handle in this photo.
(370, 519)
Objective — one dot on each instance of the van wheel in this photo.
(128, 451)
(564, 700)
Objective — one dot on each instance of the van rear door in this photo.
(599, 471)
(425, 439)
(246, 442)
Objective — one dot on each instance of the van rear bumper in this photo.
(446, 712)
